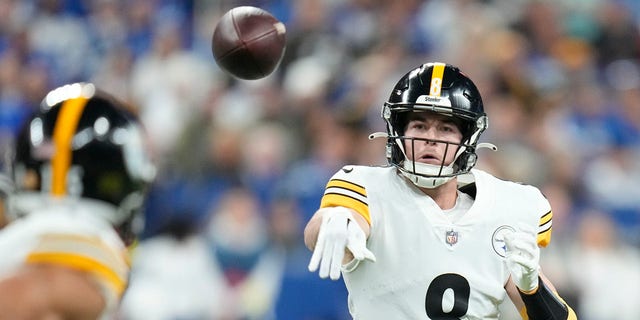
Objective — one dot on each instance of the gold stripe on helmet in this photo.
(436, 79)
(64, 129)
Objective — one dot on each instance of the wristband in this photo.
(544, 304)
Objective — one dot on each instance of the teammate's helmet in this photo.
(440, 88)
(82, 145)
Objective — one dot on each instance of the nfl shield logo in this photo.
(452, 237)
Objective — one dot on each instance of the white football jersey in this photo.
(69, 236)
(433, 264)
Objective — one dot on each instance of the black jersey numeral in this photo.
(435, 293)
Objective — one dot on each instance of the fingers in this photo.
(336, 260)
(520, 242)
(328, 258)
(522, 257)
(355, 240)
(523, 240)
(361, 253)
(332, 255)
(369, 255)
(356, 243)
(329, 251)
(338, 232)
(314, 263)
(527, 262)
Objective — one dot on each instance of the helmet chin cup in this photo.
(426, 175)
(425, 182)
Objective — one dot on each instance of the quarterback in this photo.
(79, 173)
(429, 236)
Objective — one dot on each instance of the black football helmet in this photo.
(443, 89)
(84, 145)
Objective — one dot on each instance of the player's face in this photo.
(435, 131)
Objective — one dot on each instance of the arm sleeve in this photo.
(545, 304)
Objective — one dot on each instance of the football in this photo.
(248, 42)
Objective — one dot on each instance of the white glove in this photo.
(338, 231)
(523, 258)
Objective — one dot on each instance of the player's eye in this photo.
(417, 125)
(448, 127)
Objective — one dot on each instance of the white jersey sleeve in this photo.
(346, 189)
(74, 241)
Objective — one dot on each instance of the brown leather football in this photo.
(248, 42)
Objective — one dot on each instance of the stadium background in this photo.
(244, 163)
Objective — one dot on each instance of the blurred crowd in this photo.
(243, 164)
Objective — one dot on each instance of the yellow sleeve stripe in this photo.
(336, 200)
(104, 274)
(343, 184)
(545, 229)
(544, 238)
(92, 247)
(109, 265)
(546, 218)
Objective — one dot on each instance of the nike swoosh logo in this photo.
(347, 170)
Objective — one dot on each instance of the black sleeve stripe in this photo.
(346, 196)
(545, 216)
(545, 229)
(349, 182)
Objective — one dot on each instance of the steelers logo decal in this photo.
(497, 240)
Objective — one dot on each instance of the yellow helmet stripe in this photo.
(436, 79)
(65, 127)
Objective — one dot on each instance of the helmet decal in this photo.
(436, 79)
(65, 129)
(434, 98)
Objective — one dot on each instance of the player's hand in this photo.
(338, 231)
(523, 258)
